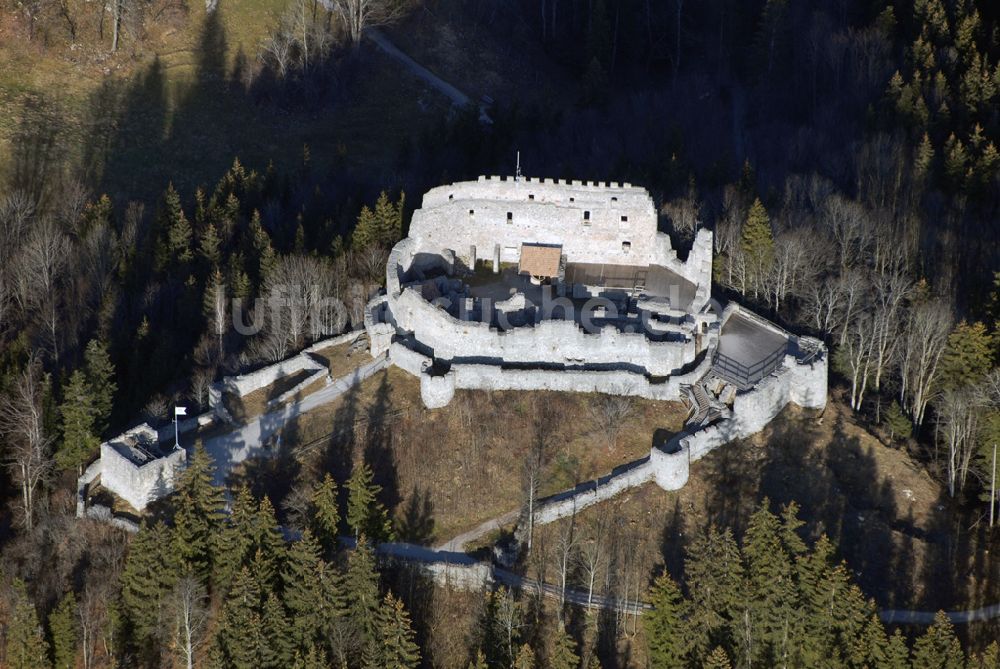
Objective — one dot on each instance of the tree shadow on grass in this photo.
(416, 523)
(378, 444)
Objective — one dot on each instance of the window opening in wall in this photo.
(510, 217)
(572, 199)
(472, 212)
(626, 247)
(531, 196)
(451, 196)
(624, 219)
(614, 198)
(586, 218)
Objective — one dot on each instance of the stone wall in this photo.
(591, 221)
(549, 341)
(494, 377)
(139, 484)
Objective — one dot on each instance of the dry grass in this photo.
(882, 510)
(340, 360)
(466, 461)
(254, 404)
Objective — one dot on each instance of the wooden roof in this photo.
(540, 260)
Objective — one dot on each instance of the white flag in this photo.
(180, 411)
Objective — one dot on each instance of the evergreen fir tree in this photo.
(757, 244)
(967, 357)
(956, 158)
(938, 648)
(664, 625)
(78, 430)
(263, 251)
(365, 514)
(150, 572)
(525, 658)
(326, 515)
(714, 577)
(479, 662)
(269, 544)
(25, 646)
(562, 654)
(208, 247)
(235, 539)
(240, 636)
(62, 630)
(361, 586)
(100, 373)
(277, 643)
(199, 513)
(175, 250)
(769, 576)
(924, 158)
(896, 422)
(301, 589)
(313, 658)
(718, 659)
(988, 659)
(393, 647)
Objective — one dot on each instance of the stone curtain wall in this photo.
(437, 391)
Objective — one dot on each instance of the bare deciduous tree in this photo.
(21, 421)
(359, 15)
(189, 614)
(923, 343)
(610, 411)
(958, 413)
(39, 271)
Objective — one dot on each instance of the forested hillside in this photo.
(160, 157)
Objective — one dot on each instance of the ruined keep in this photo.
(525, 284)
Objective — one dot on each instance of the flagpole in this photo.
(178, 411)
(993, 483)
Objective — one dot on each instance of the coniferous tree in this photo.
(714, 578)
(278, 639)
(78, 430)
(174, 252)
(562, 654)
(365, 514)
(269, 545)
(62, 631)
(769, 576)
(100, 372)
(967, 357)
(302, 596)
(235, 539)
(150, 572)
(718, 659)
(664, 625)
(757, 244)
(393, 646)
(479, 662)
(263, 252)
(313, 658)
(240, 638)
(326, 515)
(361, 586)
(25, 646)
(525, 658)
(937, 648)
(199, 513)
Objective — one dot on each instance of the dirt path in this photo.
(458, 543)
(457, 97)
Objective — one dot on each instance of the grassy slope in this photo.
(131, 125)
(463, 464)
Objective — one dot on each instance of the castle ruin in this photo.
(528, 284)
